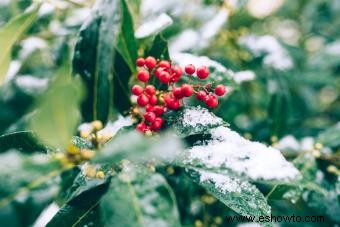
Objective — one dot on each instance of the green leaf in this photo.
(139, 148)
(239, 195)
(82, 143)
(57, 116)
(192, 121)
(84, 197)
(127, 45)
(94, 58)
(24, 141)
(10, 33)
(159, 48)
(138, 197)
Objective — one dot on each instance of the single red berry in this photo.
(164, 77)
(142, 100)
(211, 101)
(158, 72)
(143, 75)
(157, 124)
(164, 64)
(201, 95)
(150, 62)
(178, 93)
(202, 72)
(150, 117)
(187, 90)
(220, 90)
(158, 110)
(190, 69)
(149, 108)
(150, 90)
(140, 62)
(177, 71)
(174, 78)
(141, 127)
(137, 90)
(174, 104)
(153, 100)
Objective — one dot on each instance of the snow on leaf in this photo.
(239, 195)
(154, 26)
(194, 120)
(227, 149)
(275, 55)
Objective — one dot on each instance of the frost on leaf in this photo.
(228, 150)
(194, 120)
(239, 195)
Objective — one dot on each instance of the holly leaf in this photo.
(139, 197)
(24, 141)
(57, 116)
(9, 35)
(239, 195)
(192, 121)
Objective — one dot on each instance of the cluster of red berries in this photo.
(156, 102)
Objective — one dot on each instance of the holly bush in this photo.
(145, 112)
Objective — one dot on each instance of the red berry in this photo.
(158, 110)
(211, 101)
(202, 72)
(164, 77)
(150, 117)
(150, 62)
(140, 62)
(177, 91)
(157, 124)
(150, 90)
(149, 108)
(174, 104)
(201, 95)
(153, 100)
(137, 90)
(142, 100)
(164, 64)
(220, 90)
(141, 127)
(143, 75)
(190, 69)
(177, 71)
(187, 90)
(158, 72)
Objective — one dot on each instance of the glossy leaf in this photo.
(57, 116)
(239, 195)
(9, 35)
(138, 197)
(94, 58)
(24, 141)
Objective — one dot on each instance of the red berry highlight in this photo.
(187, 90)
(164, 64)
(211, 101)
(150, 90)
(153, 100)
(143, 75)
(177, 91)
(201, 95)
(165, 77)
(220, 90)
(150, 117)
(202, 72)
(140, 62)
(190, 69)
(142, 100)
(137, 90)
(141, 127)
(150, 62)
